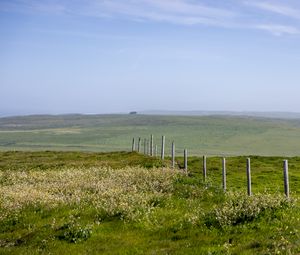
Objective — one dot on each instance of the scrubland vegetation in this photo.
(125, 203)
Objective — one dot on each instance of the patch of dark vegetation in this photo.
(73, 232)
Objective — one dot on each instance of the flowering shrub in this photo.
(73, 232)
(125, 193)
(239, 208)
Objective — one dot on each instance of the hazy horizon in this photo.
(263, 114)
(59, 57)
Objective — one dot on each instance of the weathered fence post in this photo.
(163, 139)
(133, 144)
(185, 161)
(144, 146)
(155, 152)
(149, 149)
(151, 145)
(204, 168)
(286, 178)
(173, 154)
(139, 145)
(224, 173)
(249, 177)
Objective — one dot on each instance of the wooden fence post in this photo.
(139, 145)
(151, 145)
(173, 154)
(204, 168)
(155, 152)
(224, 173)
(185, 161)
(286, 178)
(249, 177)
(163, 139)
(133, 144)
(144, 146)
(149, 149)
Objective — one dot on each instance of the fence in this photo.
(150, 151)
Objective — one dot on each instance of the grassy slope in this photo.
(170, 231)
(200, 135)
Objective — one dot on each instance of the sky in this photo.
(115, 56)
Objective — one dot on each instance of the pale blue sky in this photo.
(101, 56)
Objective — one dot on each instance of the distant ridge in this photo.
(271, 115)
(276, 115)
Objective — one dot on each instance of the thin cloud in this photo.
(188, 8)
(279, 30)
(232, 14)
(176, 11)
(33, 6)
(285, 10)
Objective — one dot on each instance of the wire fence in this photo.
(149, 148)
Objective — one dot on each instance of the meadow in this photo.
(210, 135)
(127, 203)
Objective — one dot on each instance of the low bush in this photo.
(73, 232)
(239, 208)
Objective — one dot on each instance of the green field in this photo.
(117, 203)
(211, 135)
(62, 192)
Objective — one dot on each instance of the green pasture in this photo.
(210, 135)
(194, 217)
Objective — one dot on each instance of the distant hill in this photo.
(273, 115)
(277, 115)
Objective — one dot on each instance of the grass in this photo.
(213, 135)
(163, 212)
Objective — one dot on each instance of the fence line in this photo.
(152, 150)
